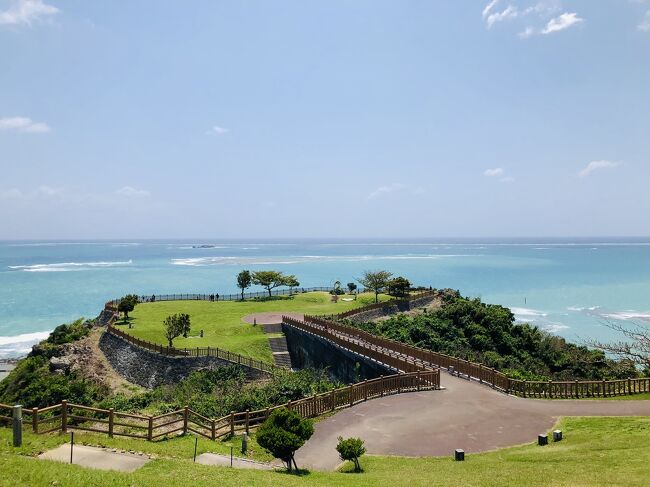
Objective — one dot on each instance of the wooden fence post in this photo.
(35, 420)
(351, 394)
(418, 381)
(232, 423)
(213, 429)
(480, 373)
(332, 399)
(64, 416)
(629, 385)
(577, 390)
(399, 383)
(604, 389)
(382, 385)
(365, 389)
(111, 421)
(186, 414)
(150, 429)
(524, 388)
(268, 413)
(247, 417)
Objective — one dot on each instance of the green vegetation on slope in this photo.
(222, 323)
(487, 333)
(595, 452)
(32, 383)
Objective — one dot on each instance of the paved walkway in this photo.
(434, 423)
(100, 458)
(270, 318)
(224, 461)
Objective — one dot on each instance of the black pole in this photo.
(71, 444)
(231, 457)
(196, 441)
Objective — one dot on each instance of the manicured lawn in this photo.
(222, 322)
(595, 452)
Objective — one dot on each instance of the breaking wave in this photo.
(68, 266)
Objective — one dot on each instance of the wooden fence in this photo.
(67, 416)
(112, 304)
(232, 357)
(488, 375)
(392, 302)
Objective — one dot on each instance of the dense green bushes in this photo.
(215, 393)
(487, 333)
(33, 384)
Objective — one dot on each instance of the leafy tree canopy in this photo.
(283, 433)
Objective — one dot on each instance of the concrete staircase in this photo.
(280, 351)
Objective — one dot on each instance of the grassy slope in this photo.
(595, 452)
(222, 321)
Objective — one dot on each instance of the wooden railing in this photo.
(67, 416)
(234, 358)
(487, 375)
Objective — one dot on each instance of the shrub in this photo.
(351, 449)
(283, 433)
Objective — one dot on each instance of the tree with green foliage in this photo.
(375, 281)
(184, 324)
(351, 449)
(127, 304)
(244, 281)
(283, 433)
(173, 328)
(269, 280)
(351, 287)
(399, 286)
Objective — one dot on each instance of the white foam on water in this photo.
(25, 337)
(68, 266)
(528, 313)
(628, 315)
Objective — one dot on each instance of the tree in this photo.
(183, 320)
(283, 433)
(376, 281)
(127, 304)
(269, 280)
(173, 328)
(351, 286)
(398, 286)
(351, 449)
(244, 281)
(634, 348)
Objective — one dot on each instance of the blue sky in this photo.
(153, 119)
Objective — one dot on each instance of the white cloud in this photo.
(488, 8)
(595, 166)
(497, 171)
(131, 192)
(562, 22)
(527, 32)
(218, 130)
(644, 26)
(24, 12)
(23, 124)
(509, 13)
(383, 190)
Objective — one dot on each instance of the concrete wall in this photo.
(150, 369)
(309, 350)
(391, 309)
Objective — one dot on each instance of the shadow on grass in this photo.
(301, 472)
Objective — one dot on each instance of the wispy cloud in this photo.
(25, 12)
(42, 191)
(500, 174)
(644, 26)
(216, 130)
(562, 22)
(131, 192)
(597, 165)
(496, 171)
(509, 13)
(383, 190)
(23, 124)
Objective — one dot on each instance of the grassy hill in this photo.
(222, 322)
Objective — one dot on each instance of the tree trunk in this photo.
(242, 294)
(357, 467)
(376, 296)
(294, 462)
(269, 290)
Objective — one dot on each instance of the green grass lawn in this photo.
(222, 322)
(595, 452)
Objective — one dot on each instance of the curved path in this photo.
(464, 415)
(271, 318)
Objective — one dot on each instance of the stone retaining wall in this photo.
(149, 369)
(308, 350)
(391, 309)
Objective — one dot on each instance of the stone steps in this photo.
(280, 350)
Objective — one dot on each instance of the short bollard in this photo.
(542, 440)
(244, 443)
(557, 435)
(18, 425)
(459, 455)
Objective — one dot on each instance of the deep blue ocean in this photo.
(570, 287)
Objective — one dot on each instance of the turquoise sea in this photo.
(567, 286)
